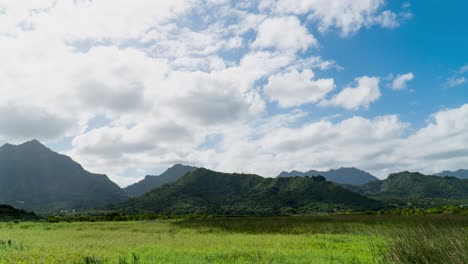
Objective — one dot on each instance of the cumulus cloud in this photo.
(381, 145)
(23, 123)
(284, 33)
(295, 88)
(347, 15)
(400, 82)
(167, 82)
(366, 92)
(440, 144)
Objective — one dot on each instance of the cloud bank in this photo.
(127, 88)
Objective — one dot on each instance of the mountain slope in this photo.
(34, 177)
(461, 174)
(204, 191)
(417, 185)
(351, 176)
(150, 182)
(8, 213)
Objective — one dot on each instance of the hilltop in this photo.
(351, 176)
(416, 185)
(150, 182)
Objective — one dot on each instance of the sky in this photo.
(129, 88)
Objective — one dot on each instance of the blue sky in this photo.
(431, 44)
(130, 88)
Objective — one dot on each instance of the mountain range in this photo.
(461, 174)
(150, 182)
(208, 192)
(34, 177)
(351, 176)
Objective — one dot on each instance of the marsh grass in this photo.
(336, 224)
(424, 244)
(91, 260)
(312, 239)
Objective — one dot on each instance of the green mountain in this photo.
(461, 174)
(9, 213)
(150, 182)
(34, 177)
(417, 185)
(208, 192)
(351, 176)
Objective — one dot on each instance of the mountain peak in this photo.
(28, 145)
(175, 166)
(172, 174)
(46, 180)
(33, 142)
(34, 146)
(349, 168)
(180, 166)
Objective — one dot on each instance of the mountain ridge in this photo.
(34, 177)
(150, 182)
(209, 192)
(461, 173)
(416, 185)
(343, 175)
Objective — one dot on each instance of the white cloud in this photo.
(347, 15)
(455, 81)
(283, 33)
(459, 78)
(440, 145)
(381, 145)
(113, 20)
(387, 19)
(295, 88)
(366, 92)
(23, 123)
(463, 69)
(399, 83)
(166, 83)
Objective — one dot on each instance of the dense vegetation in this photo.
(351, 176)
(8, 213)
(416, 185)
(209, 192)
(33, 177)
(151, 182)
(303, 239)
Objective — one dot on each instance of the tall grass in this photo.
(424, 244)
(337, 224)
(91, 260)
(304, 239)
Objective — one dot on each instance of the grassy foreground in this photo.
(334, 239)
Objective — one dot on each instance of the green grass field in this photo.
(334, 239)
